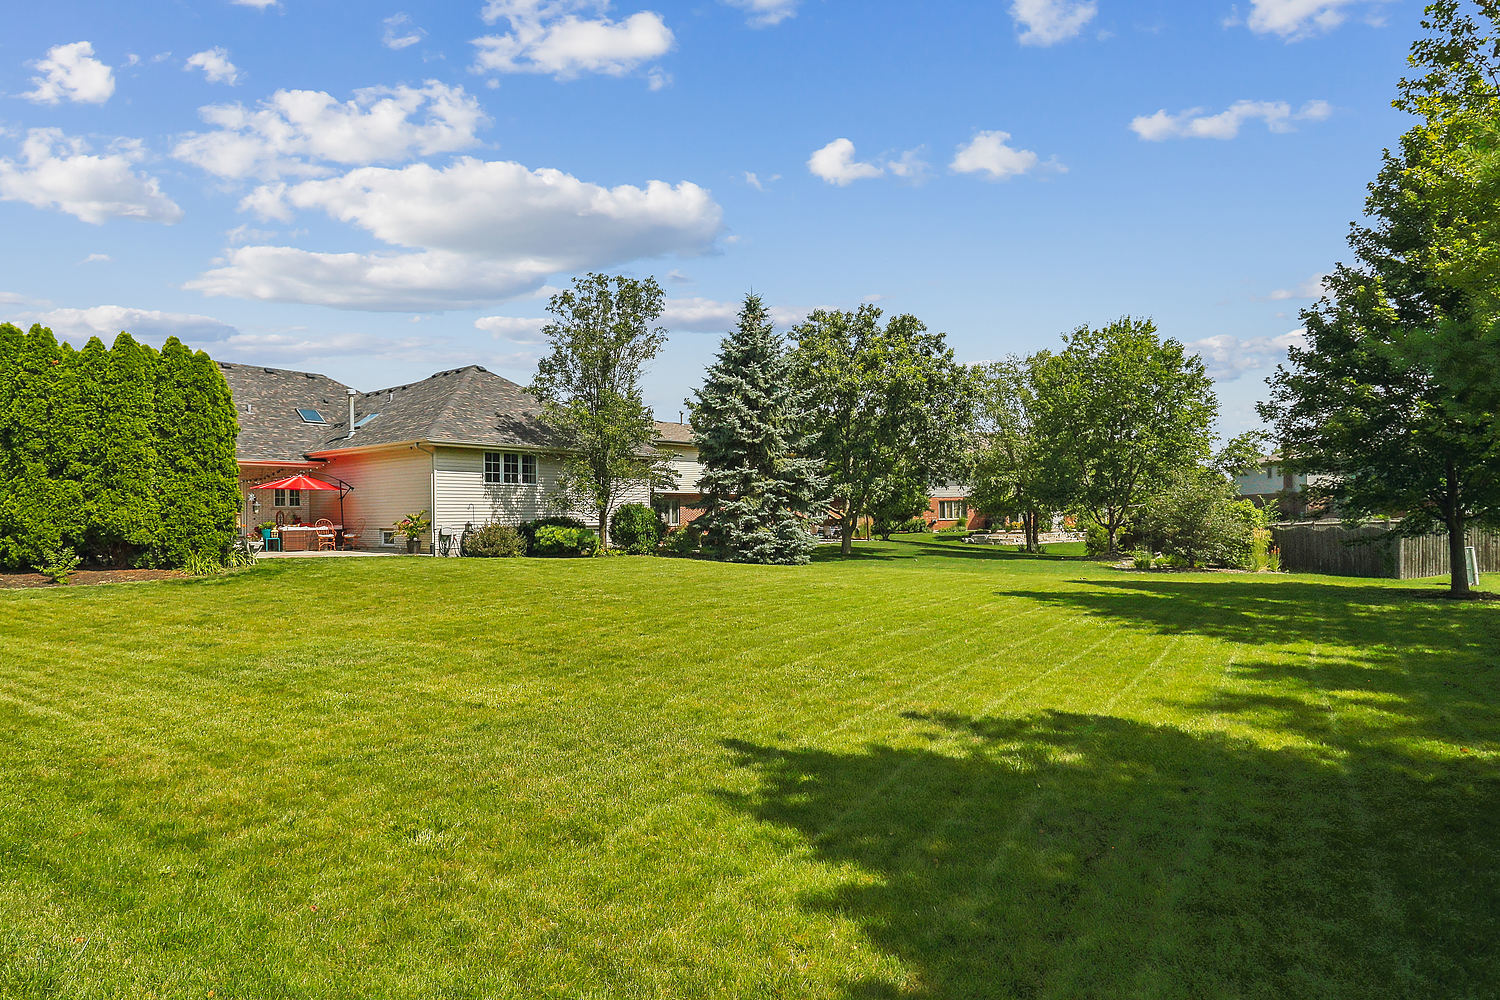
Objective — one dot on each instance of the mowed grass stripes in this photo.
(927, 771)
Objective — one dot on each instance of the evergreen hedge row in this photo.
(126, 454)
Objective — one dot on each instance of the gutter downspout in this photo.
(432, 532)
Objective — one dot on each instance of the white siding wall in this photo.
(388, 485)
(463, 496)
(683, 459)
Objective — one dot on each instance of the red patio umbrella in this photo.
(301, 482)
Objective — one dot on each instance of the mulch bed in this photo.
(89, 577)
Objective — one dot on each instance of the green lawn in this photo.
(928, 771)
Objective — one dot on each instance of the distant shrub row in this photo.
(123, 454)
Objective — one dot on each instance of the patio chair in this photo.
(351, 533)
(325, 536)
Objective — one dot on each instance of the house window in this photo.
(311, 416)
(288, 498)
(952, 510)
(509, 468)
(387, 537)
(673, 510)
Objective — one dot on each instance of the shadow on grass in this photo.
(1085, 855)
(912, 546)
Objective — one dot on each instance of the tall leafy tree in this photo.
(885, 400)
(197, 478)
(901, 495)
(761, 493)
(126, 509)
(43, 501)
(1009, 472)
(1117, 411)
(602, 336)
(1395, 395)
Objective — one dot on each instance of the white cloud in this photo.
(71, 73)
(701, 315)
(990, 153)
(472, 232)
(97, 258)
(1227, 357)
(1047, 22)
(215, 65)
(765, 13)
(401, 32)
(548, 36)
(658, 78)
(1194, 123)
(299, 132)
(257, 4)
(1313, 288)
(760, 184)
(910, 166)
(58, 172)
(1295, 20)
(143, 324)
(516, 329)
(835, 163)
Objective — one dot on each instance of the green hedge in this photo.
(555, 541)
(124, 454)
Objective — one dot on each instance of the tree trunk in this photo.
(1031, 523)
(1458, 575)
(1458, 569)
(846, 534)
(604, 527)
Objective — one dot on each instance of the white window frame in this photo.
(953, 510)
(493, 469)
(388, 537)
(512, 467)
(528, 470)
(674, 513)
(287, 498)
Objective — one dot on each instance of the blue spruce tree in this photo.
(761, 492)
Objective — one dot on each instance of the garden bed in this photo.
(89, 577)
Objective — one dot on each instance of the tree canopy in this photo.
(1117, 411)
(602, 337)
(885, 400)
(761, 491)
(1395, 395)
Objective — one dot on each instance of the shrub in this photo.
(916, 526)
(636, 528)
(685, 541)
(961, 530)
(494, 541)
(1198, 517)
(528, 529)
(58, 564)
(1264, 557)
(1095, 538)
(202, 564)
(1142, 559)
(552, 540)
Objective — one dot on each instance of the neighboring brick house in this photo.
(949, 506)
(465, 445)
(683, 504)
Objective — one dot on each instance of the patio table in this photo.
(302, 537)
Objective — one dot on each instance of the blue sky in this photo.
(377, 192)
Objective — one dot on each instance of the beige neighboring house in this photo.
(466, 446)
(683, 504)
(1271, 485)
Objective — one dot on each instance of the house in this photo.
(682, 504)
(1271, 484)
(465, 445)
(948, 506)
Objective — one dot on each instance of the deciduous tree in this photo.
(1395, 395)
(602, 337)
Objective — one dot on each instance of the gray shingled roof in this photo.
(465, 405)
(266, 401)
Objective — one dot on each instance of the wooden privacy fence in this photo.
(1371, 550)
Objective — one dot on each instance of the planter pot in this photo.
(413, 546)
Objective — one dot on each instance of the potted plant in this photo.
(412, 526)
